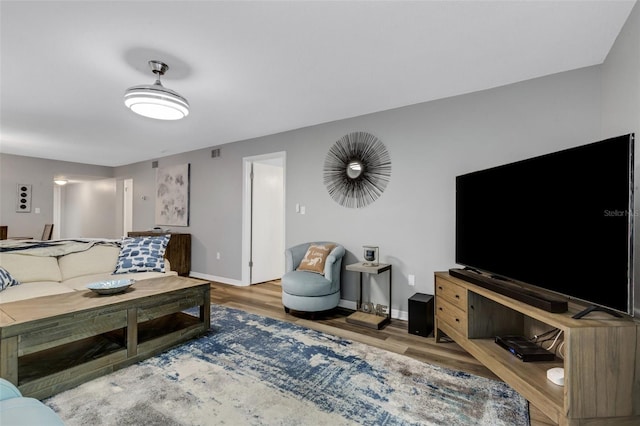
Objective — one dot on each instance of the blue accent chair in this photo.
(16, 410)
(307, 291)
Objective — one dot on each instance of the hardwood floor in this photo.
(265, 299)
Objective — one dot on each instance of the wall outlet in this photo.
(218, 255)
(412, 280)
(303, 209)
(297, 207)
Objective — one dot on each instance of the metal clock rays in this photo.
(357, 169)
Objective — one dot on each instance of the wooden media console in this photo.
(601, 357)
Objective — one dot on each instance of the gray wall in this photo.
(429, 144)
(413, 221)
(621, 81)
(38, 172)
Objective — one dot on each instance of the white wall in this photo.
(621, 80)
(88, 210)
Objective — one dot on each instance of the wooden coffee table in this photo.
(53, 343)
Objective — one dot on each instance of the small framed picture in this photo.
(370, 255)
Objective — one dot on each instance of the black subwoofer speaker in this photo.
(421, 314)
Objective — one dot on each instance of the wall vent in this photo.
(154, 164)
(215, 153)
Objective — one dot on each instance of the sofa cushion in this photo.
(27, 268)
(97, 259)
(6, 279)
(32, 289)
(315, 258)
(142, 254)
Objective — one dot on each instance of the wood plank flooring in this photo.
(265, 299)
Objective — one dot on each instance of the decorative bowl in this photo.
(110, 286)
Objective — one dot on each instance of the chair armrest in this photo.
(294, 255)
(329, 267)
(288, 261)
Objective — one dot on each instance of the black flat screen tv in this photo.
(562, 222)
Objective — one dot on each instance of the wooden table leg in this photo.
(205, 310)
(9, 359)
(389, 311)
(359, 304)
(132, 332)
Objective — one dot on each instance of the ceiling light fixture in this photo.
(60, 181)
(155, 100)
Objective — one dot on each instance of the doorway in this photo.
(263, 218)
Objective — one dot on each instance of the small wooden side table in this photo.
(363, 318)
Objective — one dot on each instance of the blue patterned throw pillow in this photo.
(142, 254)
(6, 280)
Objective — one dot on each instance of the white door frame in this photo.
(127, 206)
(246, 206)
(57, 212)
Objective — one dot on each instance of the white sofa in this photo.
(47, 275)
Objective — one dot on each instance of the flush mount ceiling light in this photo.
(60, 181)
(155, 100)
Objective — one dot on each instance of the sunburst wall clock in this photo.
(357, 169)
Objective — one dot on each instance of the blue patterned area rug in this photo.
(253, 370)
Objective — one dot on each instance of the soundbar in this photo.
(544, 302)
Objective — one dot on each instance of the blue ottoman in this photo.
(16, 410)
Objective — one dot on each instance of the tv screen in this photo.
(562, 222)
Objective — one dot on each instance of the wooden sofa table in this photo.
(53, 343)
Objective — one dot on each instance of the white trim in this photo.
(246, 218)
(57, 212)
(246, 202)
(347, 304)
(127, 206)
(401, 315)
(217, 279)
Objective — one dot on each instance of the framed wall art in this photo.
(172, 195)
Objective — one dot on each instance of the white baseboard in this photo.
(401, 315)
(347, 304)
(215, 278)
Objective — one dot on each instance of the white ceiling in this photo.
(252, 68)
